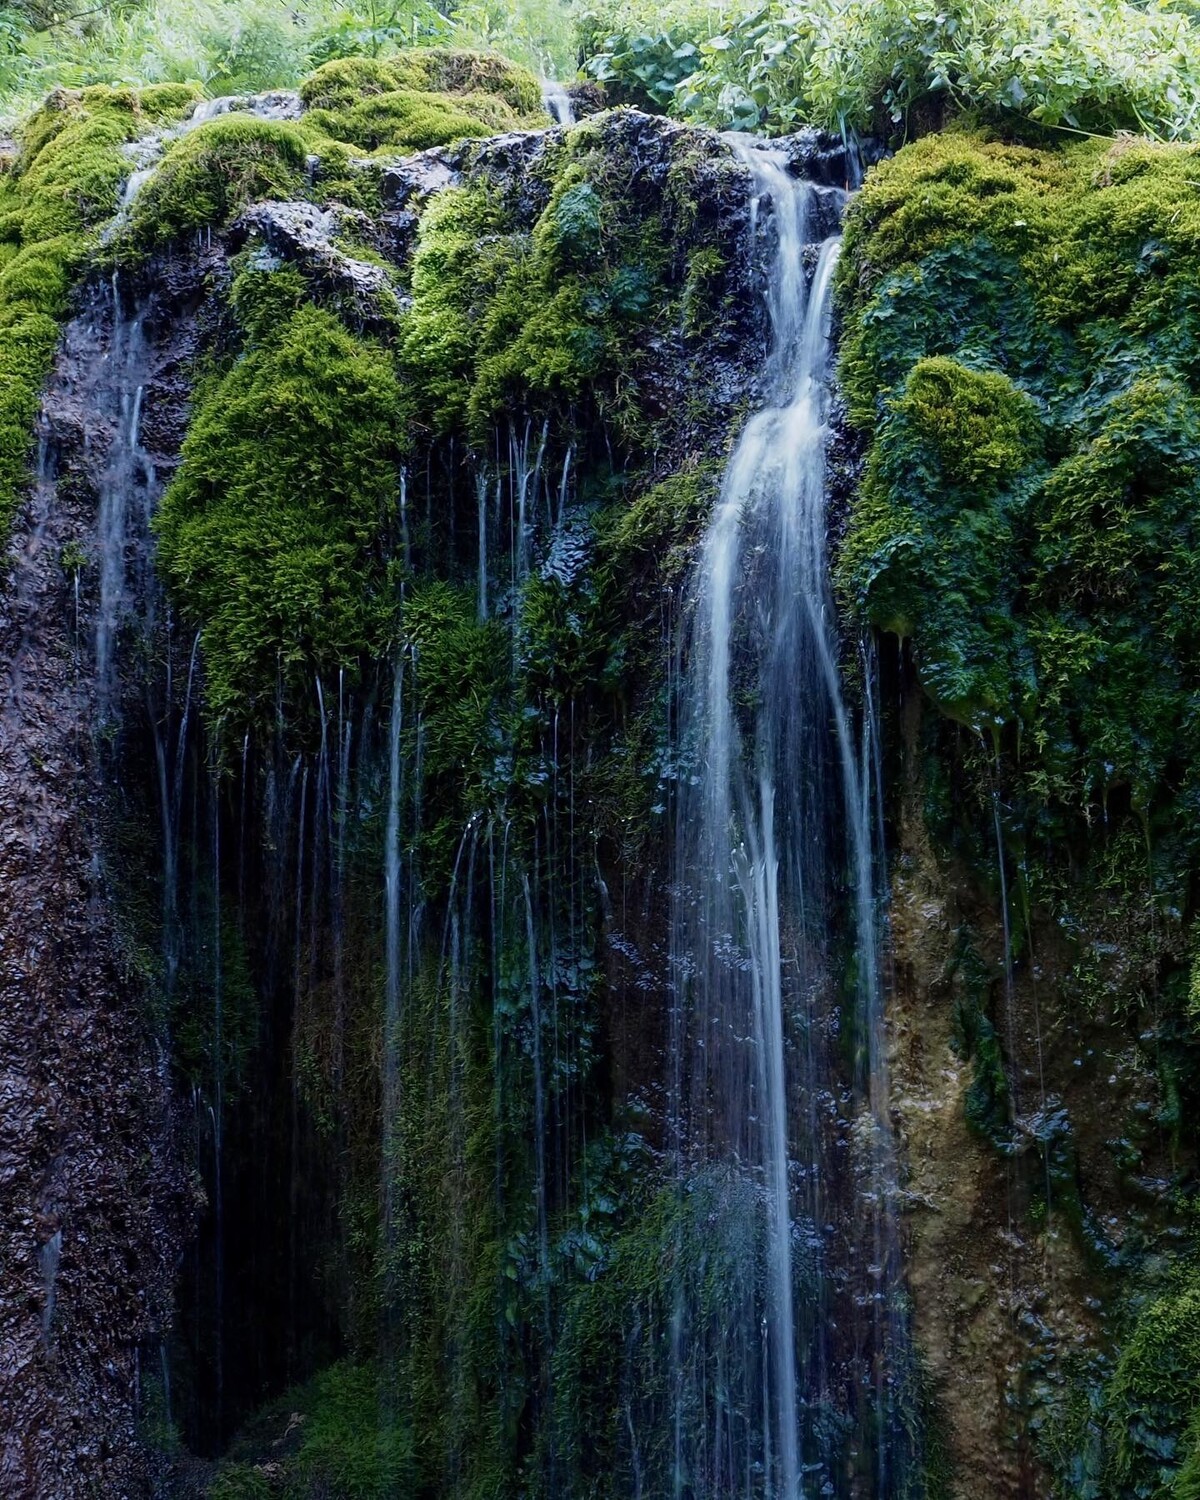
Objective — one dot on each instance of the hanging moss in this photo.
(1153, 1399)
(54, 198)
(272, 532)
(564, 318)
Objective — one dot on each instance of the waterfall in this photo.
(557, 102)
(775, 859)
(128, 493)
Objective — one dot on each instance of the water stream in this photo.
(775, 941)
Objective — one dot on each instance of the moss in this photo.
(1022, 341)
(562, 320)
(660, 526)
(442, 70)
(213, 172)
(405, 120)
(1153, 1399)
(270, 534)
(418, 99)
(61, 189)
(339, 1434)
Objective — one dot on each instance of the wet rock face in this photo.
(95, 1207)
(305, 236)
(88, 1156)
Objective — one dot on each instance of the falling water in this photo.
(128, 484)
(775, 843)
(557, 102)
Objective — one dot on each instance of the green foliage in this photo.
(851, 64)
(240, 1482)
(931, 547)
(338, 1435)
(561, 320)
(208, 176)
(246, 46)
(675, 1258)
(53, 200)
(659, 527)
(354, 1444)
(272, 531)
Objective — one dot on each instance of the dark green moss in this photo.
(1153, 1399)
(1023, 343)
(337, 1435)
(272, 532)
(562, 319)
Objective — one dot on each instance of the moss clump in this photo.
(418, 99)
(931, 549)
(1153, 1400)
(273, 531)
(659, 527)
(337, 1435)
(212, 173)
(409, 120)
(1023, 339)
(54, 198)
(444, 70)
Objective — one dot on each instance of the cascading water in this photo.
(775, 950)
(557, 102)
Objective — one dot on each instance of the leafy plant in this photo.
(1083, 65)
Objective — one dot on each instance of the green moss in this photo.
(54, 198)
(660, 526)
(418, 99)
(338, 1435)
(1022, 341)
(442, 70)
(270, 533)
(1153, 1400)
(354, 1445)
(213, 172)
(561, 320)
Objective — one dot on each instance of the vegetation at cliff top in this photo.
(1093, 65)
(239, 46)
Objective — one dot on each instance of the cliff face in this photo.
(93, 1171)
(342, 762)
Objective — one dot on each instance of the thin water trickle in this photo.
(128, 482)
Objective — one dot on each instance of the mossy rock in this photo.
(56, 195)
(417, 99)
(404, 120)
(213, 172)
(443, 70)
(1153, 1400)
(1023, 346)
